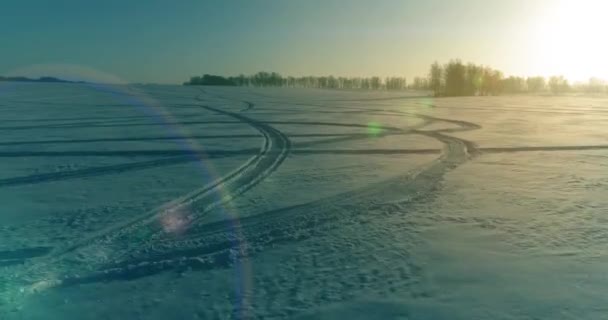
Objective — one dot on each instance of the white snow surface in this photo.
(173, 202)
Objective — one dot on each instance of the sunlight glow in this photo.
(571, 40)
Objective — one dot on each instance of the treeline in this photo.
(41, 79)
(273, 79)
(458, 79)
(452, 79)
(210, 80)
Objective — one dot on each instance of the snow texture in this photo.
(171, 202)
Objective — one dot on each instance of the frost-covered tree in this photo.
(536, 84)
(455, 78)
(558, 84)
(436, 79)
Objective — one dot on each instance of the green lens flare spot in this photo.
(374, 129)
(428, 103)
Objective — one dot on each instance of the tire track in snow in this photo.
(543, 148)
(250, 105)
(20, 255)
(38, 273)
(96, 118)
(178, 123)
(185, 157)
(93, 172)
(143, 165)
(274, 150)
(212, 245)
(160, 138)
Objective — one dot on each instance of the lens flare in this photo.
(374, 129)
(175, 221)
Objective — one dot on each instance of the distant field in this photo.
(131, 202)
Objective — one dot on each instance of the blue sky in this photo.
(167, 41)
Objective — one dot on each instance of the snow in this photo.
(158, 202)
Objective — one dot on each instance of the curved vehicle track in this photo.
(214, 245)
(140, 248)
(76, 258)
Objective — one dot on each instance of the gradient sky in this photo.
(167, 41)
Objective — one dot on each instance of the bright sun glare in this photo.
(571, 39)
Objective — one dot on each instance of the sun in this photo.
(571, 39)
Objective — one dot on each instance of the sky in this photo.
(167, 41)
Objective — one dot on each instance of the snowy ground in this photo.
(170, 202)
